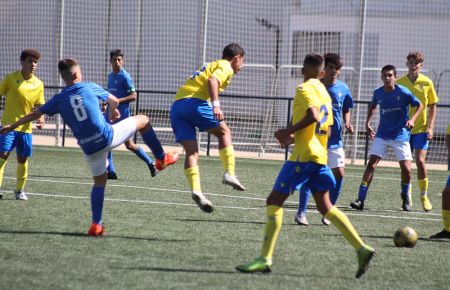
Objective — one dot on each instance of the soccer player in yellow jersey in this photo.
(192, 109)
(23, 93)
(307, 167)
(423, 89)
(445, 233)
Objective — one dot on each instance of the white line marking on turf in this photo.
(227, 207)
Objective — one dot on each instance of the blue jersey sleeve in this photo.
(51, 107)
(99, 91)
(130, 85)
(348, 100)
(374, 102)
(413, 100)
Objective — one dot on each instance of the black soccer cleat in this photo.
(112, 175)
(152, 168)
(406, 204)
(441, 235)
(357, 204)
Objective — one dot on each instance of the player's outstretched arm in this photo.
(285, 136)
(26, 119)
(40, 122)
(113, 103)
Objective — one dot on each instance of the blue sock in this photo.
(111, 168)
(303, 200)
(405, 189)
(143, 156)
(362, 194)
(97, 197)
(334, 193)
(153, 143)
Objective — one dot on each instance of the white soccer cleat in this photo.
(326, 221)
(301, 220)
(20, 195)
(202, 202)
(233, 181)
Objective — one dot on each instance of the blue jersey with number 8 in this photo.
(78, 105)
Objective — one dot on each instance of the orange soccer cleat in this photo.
(169, 159)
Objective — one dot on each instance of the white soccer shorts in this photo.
(336, 157)
(122, 132)
(402, 149)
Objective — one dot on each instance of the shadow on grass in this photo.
(58, 176)
(84, 235)
(220, 221)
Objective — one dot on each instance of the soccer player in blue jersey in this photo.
(121, 85)
(445, 233)
(23, 93)
(394, 130)
(312, 116)
(78, 105)
(342, 102)
(192, 109)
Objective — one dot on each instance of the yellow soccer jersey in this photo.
(448, 129)
(21, 96)
(311, 142)
(423, 89)
(197, 84)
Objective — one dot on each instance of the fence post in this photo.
(286, 151)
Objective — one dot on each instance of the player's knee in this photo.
(142, 122)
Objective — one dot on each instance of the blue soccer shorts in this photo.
(19, 140)
(295, 175)
(189, 113)
(448, 181)
(419, 141)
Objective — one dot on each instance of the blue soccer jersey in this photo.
(121, 85)
(341, 99)
(394, 112)
(78, 105)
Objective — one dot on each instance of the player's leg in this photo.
(403, 154)
(226, 151)
(419, 144)
(7, 144)
(139, 152)
(24, 150)
(111, 168)
(445, 233)
(300, 217)
(365, 183)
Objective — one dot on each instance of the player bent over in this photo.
(78, 105)
(307, 167)
(393, 130)
(191, 109)
(445, 233)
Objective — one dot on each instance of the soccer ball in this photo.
(405, 237)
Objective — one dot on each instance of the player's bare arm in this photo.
(113, 103)
(36, 114)
(432, 118)
(284, 136)
(213, 90)
(348, 124)
(410, 122)
(128, 99)
(370, 113)
(40, 122)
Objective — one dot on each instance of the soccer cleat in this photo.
(96, 230)
(233, 181)
(426, 204)
(169, 159)
(1, 195)
(112, 175)
(20, 195)
(357, 204)
(365, 254)
(202, 202)
(301, 220)
(326, 221)
(260, 264)
(406, 203)
(441, 235)
(152, 168)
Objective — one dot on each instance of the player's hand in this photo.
(349, 128)
(114, 115)
(218, 114)
(284, 138)
(410, 124)
(40, 123)
(430, 134)
(370, 131)
(5, 129)
(103, 106)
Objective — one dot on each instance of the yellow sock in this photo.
(341, 222)
(193, 176)
(227, 157)
(22, 175)
(423, 186)
(271, 230)
(446, 219)
(2, 169)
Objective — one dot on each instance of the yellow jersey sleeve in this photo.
(196, 86)
(21, 96)
(311, 141)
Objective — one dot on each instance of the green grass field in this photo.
(158, 239)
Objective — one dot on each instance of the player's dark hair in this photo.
(389, 67)
(231, 50)
(314, 60)
(115, 53)
(334, 59)
(30, 52)
(416, 55)
(66, 64)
